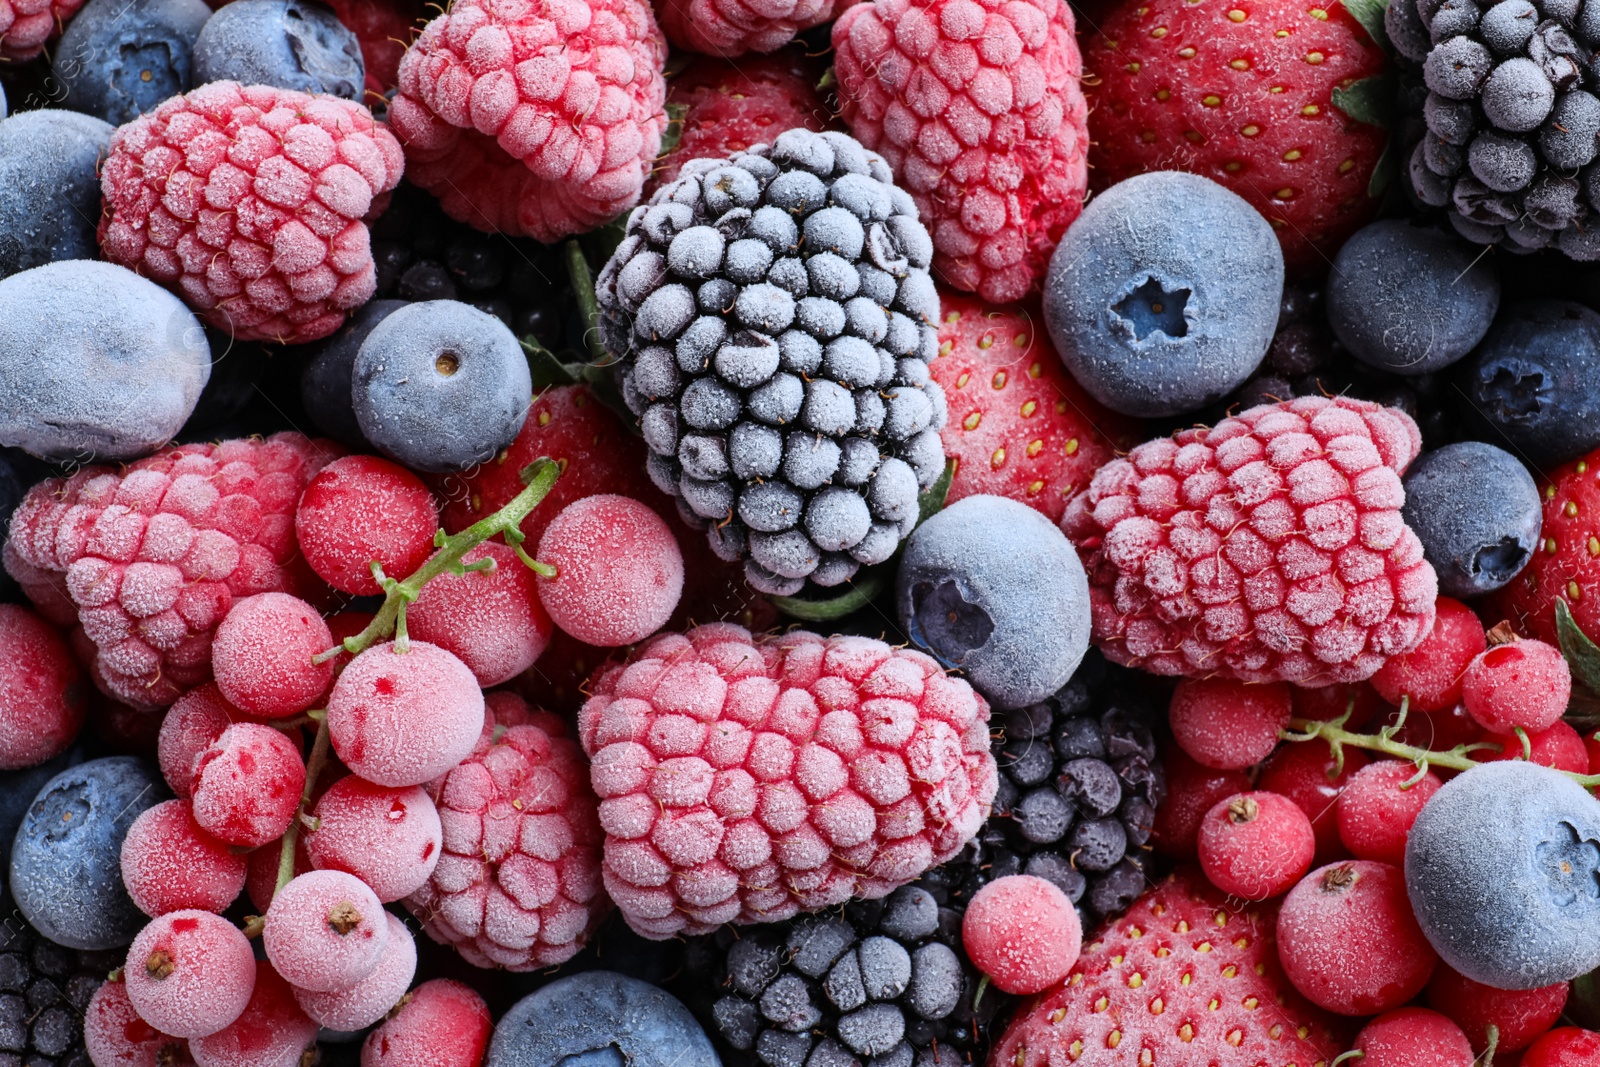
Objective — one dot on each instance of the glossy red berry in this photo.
(1520, 684)
(1520, 1015)
(1379, 805)
(1430, 674)
(1227, 724)
(1308, 774)
(1256, 845)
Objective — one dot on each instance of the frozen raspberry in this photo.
(730, 28)
(247, 785)
(1413, 1037)
(748, 779)
(262, 655)
(1226, 724)
(619, 572)
(1520, 1015)
(1256, 845)
(1268, 547)
(1378, 806)
(388, 838)
(170, 864)
(404, 718)
(27, 25)
(45, 589)
(1566, 1047)
(1023, 932)
(154, 554)
(43, 692)
(532, 119)
(190, 973)
(359, 510)
(518, 885)
(272, 1031)
(1192, 790)
(977, 108)
(1518, 684)
(1560, 747)
(1349, 942)
(115, 1036)
(441, 1024)
(325, 931)
(248, 203)
(189, 727)
(492, 620)
(358, 1006)
(1428, 676)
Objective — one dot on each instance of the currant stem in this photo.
(314, 765)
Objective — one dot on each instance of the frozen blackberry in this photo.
(1512, 115)
(44, 989)
(1080, 782)
(774, 316)
(883, 983)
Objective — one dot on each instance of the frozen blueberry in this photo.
(49, 187)
(17, 790)
(599, 1018)
(1533, 379)
(1163, 295)
(1410, 299)
(325, 379)
(440, 386)
(293, 44)
(1476, 511)
(95, 361)
(118, 60)
(992, 587)
(66, 862)
(1503, 871)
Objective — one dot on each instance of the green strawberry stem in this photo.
(314, 766)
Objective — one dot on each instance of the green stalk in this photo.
(582, 279)
(314, 766)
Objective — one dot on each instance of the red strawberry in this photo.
(1185, 977)
(1241, 91)
(1566, 563)
(1019, 425)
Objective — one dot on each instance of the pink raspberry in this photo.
(731, 28)
(248, 202)
(535, 119)
(748, 779)
(154, 554)
(977, 108)
(27, 25)
(1269, 547)
(518, 885)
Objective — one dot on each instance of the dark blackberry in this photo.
(774, 316)
(882, 983)
(44, 989)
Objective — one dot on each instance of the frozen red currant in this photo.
(1413, 1037)
(43, 691)
(190, 973)
(1256, 845)
(325, 931)
(1378, 806)
(272, 1031)
(492, 619)
(1023, 932)
(263, 655)
(1519, 1016)
(443, 1024)
(1229, 725)
(170, 864)
(358, 1006)
(619, 571)
(359, 510)
(247, 785)
(404, 718)
(1192, 790)
(1430, 674)
(1517, 685)
(387, 837)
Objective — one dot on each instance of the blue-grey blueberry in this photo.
(1477, 513)
(49, 187)
(325, 379)
(599, 1019)
(293, 44)
(119, 59)
(17, 790)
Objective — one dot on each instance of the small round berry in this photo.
(1413, 1037)
(325, 931)
(1519, 684)
(1348, 940)
(262, 655)
(1192, 790)
(1023, 932)
(191, 726)
(1519, 1015)
(359, 1006)
(272, 1031)
(1329, 702)
(389, 838)
(1473, 506)
(1378, 806)
(491, 619)
(170, 864)
(443, 1024)
(1560, 747)
(1229, 725)
(1430, 674)
(190, 973)
(43, 692)
(115, 1036)
(247, 785)
(619, 570)
(1567, 1046)
(1256, 845)
(361, 509)
(404, 718)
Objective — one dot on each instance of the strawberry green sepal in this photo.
(1370, 14)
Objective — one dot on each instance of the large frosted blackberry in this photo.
(775, 317)
(1079, 785)
(44, 989)
(1513, 118)
(883, 983)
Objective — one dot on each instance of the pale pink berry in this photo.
(262, 655)
(170, 864)
(115, 1036)
(190, 973)
(325, 930)
(370, 999)
(272, 1032)
(389, 838)
(619, 571)
(1023, 932)
(43, 692)
(404, 718)
(491, 619)
(248, 784)
(191, 726)
(444, 1024)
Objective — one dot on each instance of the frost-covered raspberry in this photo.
(170, 864)
(43, 693)
(247, 785)
(748, 779)
(733, 27)
(977, 108)
(325, 931)
(492, 620)
(272, 1031)
(190, 973)
(1269, 547)
(248, 202)
(389, 838)
(358, 1006)
(518, 885)
(404, 718)
(533, 119)
(154, 555)
(27, 25)
(263, 655)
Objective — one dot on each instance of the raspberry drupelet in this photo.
(734, 27)
(26, 26)
(248, 201)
